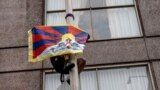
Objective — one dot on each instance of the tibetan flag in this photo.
(49, 41)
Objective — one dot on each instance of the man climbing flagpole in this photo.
(61, 44)
(74, 78)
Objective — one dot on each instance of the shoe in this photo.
(68, 81)
(68, 67)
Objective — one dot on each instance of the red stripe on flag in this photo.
(38, 37)
(40, 50)
(49, 29)
(73, 30)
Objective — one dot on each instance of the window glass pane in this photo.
(55, 5)
(56, 19)
(123, 23)
(103, 3)
(52, 81)
(88, 80)
(115, 23)
(124, 79)
(129, 78)
(80, 4)
(101, 29)
(83, 20)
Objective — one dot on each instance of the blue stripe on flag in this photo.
(81, 34)
(38, 44)
(61, 29)
(37, 31)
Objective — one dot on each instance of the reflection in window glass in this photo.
(100, 24)
(83, 20)
(115, 23)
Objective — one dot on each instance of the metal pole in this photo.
(68, 3)
(74, 78)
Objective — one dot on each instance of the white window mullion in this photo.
(97, 77)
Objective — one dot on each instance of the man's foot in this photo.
(68, 67)
(68, 81)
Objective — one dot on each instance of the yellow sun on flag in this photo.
(68, 36)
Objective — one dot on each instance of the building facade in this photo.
(127, 59)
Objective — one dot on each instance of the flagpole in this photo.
(74, 78)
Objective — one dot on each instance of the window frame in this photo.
(99, 8)
(89, 68)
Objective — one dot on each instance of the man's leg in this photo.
(81, 64)
(68, 64)
(58, 63)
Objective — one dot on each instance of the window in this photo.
(124, 78)
(102, 19)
